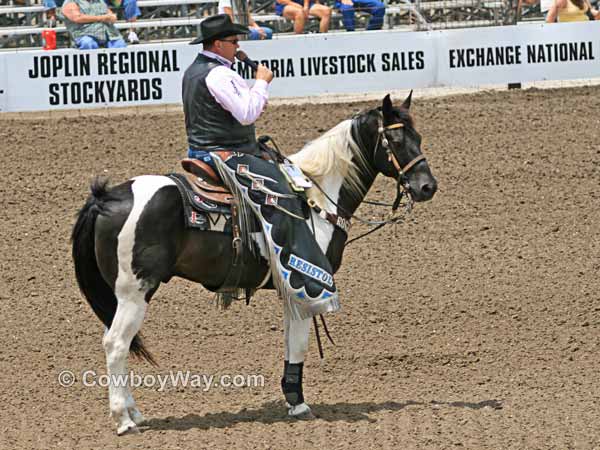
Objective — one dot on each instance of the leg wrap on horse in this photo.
(291, 383)
(301, 272)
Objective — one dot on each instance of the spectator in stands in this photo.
(131, 12)
(300, 10)
(50, 8)
(545, 7)
(571, 11)
(256, 32)
(373, 7)
(91, 24)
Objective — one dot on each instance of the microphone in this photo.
(241, 55)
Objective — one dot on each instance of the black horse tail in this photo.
(94, 288)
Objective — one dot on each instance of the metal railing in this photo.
(172, 19)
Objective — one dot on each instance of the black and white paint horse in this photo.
(131, 237)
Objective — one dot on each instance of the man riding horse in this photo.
(130, 238)
(220, 111)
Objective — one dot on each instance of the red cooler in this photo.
(49, 37)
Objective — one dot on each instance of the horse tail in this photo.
(94, 288)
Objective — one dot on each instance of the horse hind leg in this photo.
(134, 413)
(296, 334)
(126, 324)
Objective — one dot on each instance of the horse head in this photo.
(397, 149)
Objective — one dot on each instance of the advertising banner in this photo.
(306, 65)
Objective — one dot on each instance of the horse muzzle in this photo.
(423, 188)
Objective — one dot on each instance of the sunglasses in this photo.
(231, 41)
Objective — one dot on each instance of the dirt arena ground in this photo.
(473, 325)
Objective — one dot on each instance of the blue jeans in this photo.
(202, 155)
(373, 7)
(254, 36)
(130, 8)
(89, 43)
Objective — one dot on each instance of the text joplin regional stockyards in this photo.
(94, 65)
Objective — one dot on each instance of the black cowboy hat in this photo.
(219, 26)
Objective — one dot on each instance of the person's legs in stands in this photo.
(131, 13)
(87, 43)
(268, 32)
(346, 7)
(294, 12)
(116, 43)
(324, 14)
(254, 34)
(376, 9)
(50, 9)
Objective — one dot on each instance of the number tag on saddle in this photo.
(295, 177)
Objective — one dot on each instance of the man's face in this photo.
(227, 47)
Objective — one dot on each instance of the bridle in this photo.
(381, 137)
(402, 185)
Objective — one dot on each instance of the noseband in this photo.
(402, 184)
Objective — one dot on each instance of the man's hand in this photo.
(306, 11)
(109, 18)
(263, 73)
(347, 2)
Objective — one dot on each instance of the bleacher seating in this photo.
(21, 25)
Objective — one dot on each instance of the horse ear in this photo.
(406, 103)
(387, 108)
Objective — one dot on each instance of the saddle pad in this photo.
(199, 212)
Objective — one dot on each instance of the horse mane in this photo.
(333, 153)
(336, 152)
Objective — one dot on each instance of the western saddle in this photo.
(206, 182)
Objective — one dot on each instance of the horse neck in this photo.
(348, 199)
(336, 187)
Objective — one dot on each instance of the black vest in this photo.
(209, 126)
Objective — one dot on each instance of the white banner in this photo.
(534, 52)
(307, 65)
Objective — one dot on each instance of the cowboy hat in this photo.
(218, 26)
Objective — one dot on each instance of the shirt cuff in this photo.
(261, 85)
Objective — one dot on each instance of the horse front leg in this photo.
(296, 334)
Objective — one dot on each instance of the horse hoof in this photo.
(301, 412)
(128, 428)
